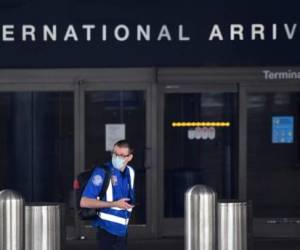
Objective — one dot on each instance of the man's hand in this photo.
(122, 203)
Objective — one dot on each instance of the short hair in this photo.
(124, 144)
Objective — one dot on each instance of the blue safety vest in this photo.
(121, 185)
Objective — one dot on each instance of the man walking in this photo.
(116, 207)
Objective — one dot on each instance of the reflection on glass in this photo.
(198, 155)
(118, 107)
(273, 168)
(37, 146)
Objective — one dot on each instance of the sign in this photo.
(279, 75)
(170, 33)
(282, 129)
(113, 133)
(204, 133)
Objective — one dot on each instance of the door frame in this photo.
(175, 226)
(77, 81)
(263, 227)
(42, 81)
(136, 80)
(246, 78)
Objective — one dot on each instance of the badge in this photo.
(114, 180)
(97, 180)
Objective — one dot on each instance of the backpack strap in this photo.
(107, 175)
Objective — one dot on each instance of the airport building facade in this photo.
(205, 95)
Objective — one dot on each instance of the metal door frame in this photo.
(180, 84)
(128, 80)
(157, 81)
(261, 227)
(77, 81)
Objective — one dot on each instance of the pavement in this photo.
(163, 244)
(178, 244)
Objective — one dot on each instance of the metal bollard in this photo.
(43, 226)
(200, 218)
(11, 220)
(232, 225)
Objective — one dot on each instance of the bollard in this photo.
(200, 218)
(43, 226)
(11, 220)
(232, 225)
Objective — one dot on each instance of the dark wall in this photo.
(197, 18)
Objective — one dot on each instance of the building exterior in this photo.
(207, 93)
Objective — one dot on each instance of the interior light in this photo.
(200, 124)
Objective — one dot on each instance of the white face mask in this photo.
(118, 162)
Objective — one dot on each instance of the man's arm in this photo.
(94, 203)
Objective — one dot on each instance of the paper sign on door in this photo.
(113, 133)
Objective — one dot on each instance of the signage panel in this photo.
(148, 33)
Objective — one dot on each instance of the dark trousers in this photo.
(108, 241)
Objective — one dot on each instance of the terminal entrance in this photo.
(200, 131)
(37, 144)
(255, 157)
(273, 158)
(240, 138)
(110, 113)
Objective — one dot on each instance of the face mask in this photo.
(118, 162)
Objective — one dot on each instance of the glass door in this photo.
(37, 143)
(273, 158)
(112, 112)
(199, 145)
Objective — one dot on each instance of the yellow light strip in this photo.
(200, 124)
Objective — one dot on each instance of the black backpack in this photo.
(81, 181)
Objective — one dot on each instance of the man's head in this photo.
(122, 154)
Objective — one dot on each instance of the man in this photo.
(116, 207)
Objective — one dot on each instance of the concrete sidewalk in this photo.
(178, 244)
(160, 244)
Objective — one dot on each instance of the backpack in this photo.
(79, 186)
